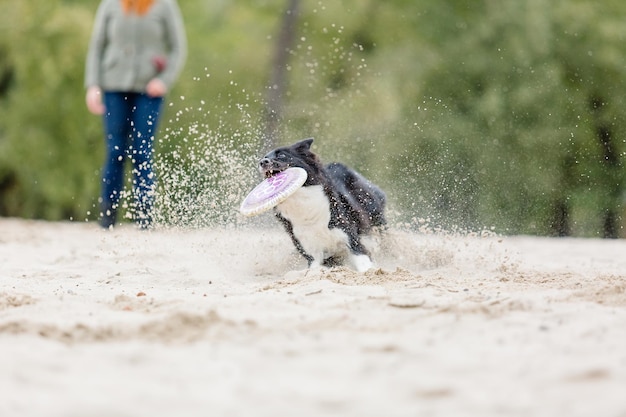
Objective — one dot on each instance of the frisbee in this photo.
(273, 191)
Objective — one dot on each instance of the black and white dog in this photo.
(329, 214)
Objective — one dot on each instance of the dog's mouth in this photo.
(269, 167)
(271, 172)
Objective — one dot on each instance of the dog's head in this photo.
(297, 155)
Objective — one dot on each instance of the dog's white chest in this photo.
(308, 210)
(308, 206)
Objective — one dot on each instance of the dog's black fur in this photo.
(352, 205)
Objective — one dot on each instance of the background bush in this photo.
(504, 115)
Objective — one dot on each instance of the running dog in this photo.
(329, 214)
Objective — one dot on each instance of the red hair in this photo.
(139, 7)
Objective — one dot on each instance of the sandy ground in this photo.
(228, 323)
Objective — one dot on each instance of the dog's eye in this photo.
(281, 155)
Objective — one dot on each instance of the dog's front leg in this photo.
(289, 228)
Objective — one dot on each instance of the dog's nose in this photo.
(265, 162)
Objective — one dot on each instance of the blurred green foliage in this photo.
(505, 115)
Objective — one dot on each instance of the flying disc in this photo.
(273, 191)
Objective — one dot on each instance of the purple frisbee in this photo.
(273, 191)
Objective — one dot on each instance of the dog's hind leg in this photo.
(359, 255)
(361, 262)
(333, 261)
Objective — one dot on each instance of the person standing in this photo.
(136, 52)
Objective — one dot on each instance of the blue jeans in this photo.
(130, 123)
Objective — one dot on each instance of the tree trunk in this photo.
(278, 78)
(611, 162)
(560, 221)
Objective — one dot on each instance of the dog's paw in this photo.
(362, 263)
(315, 264)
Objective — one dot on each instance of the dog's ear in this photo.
(303, 145)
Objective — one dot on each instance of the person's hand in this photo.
(94, 100)
(156, 88)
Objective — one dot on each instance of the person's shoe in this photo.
(144, 221)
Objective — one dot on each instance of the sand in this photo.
(228, 322)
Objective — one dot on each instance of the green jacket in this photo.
(127, 51)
